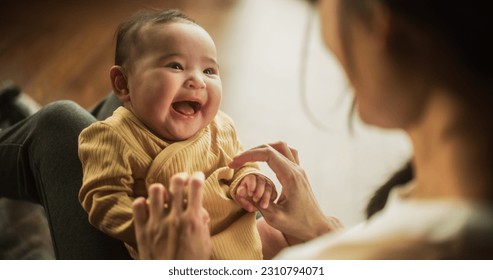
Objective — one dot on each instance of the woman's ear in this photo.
(119, 83)
(397, 36)
(383, 24)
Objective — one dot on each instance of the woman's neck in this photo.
(453, 149)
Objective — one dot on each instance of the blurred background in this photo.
(279, 83)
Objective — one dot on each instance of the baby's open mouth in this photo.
(187, 108)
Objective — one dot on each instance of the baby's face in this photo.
(174, 84)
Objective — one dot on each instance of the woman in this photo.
(421, 66)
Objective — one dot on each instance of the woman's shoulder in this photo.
(411, 229)
(443, 228)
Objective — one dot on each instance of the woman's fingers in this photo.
(177, 185)
(141, 214)
(265, 153)
(178, 231)
(295, 155)
(157, 196)
(285, 150)
(252, 155)
(195, 192)
(139, 208)
(287, 171)
(194, 235)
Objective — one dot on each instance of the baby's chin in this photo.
(178, 137)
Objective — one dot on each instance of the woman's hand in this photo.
(167, 226)
(296, 212)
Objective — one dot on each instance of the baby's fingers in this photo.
(250, 183)
(243, 199)
(259, 189)
(266, 197)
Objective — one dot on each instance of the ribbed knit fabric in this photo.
(121, 158)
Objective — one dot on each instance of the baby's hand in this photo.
(255, 189)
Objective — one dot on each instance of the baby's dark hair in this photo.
(127, 33)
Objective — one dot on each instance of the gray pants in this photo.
(39, 163)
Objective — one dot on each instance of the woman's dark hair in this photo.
(464, 26)
(379, 199)
(127, 33)
(460, 31)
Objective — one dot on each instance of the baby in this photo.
(167, 77)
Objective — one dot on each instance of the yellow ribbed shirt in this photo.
(121, 158)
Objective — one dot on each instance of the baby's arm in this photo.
(256, 188)
(107, 190)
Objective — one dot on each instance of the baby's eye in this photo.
(175, 65)
(210, 71)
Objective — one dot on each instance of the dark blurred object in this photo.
(11, 111)
(24, 232)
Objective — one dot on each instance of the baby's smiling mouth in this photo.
(186, 108)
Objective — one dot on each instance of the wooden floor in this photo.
(63, 49)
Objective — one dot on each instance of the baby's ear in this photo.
(119, 83)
